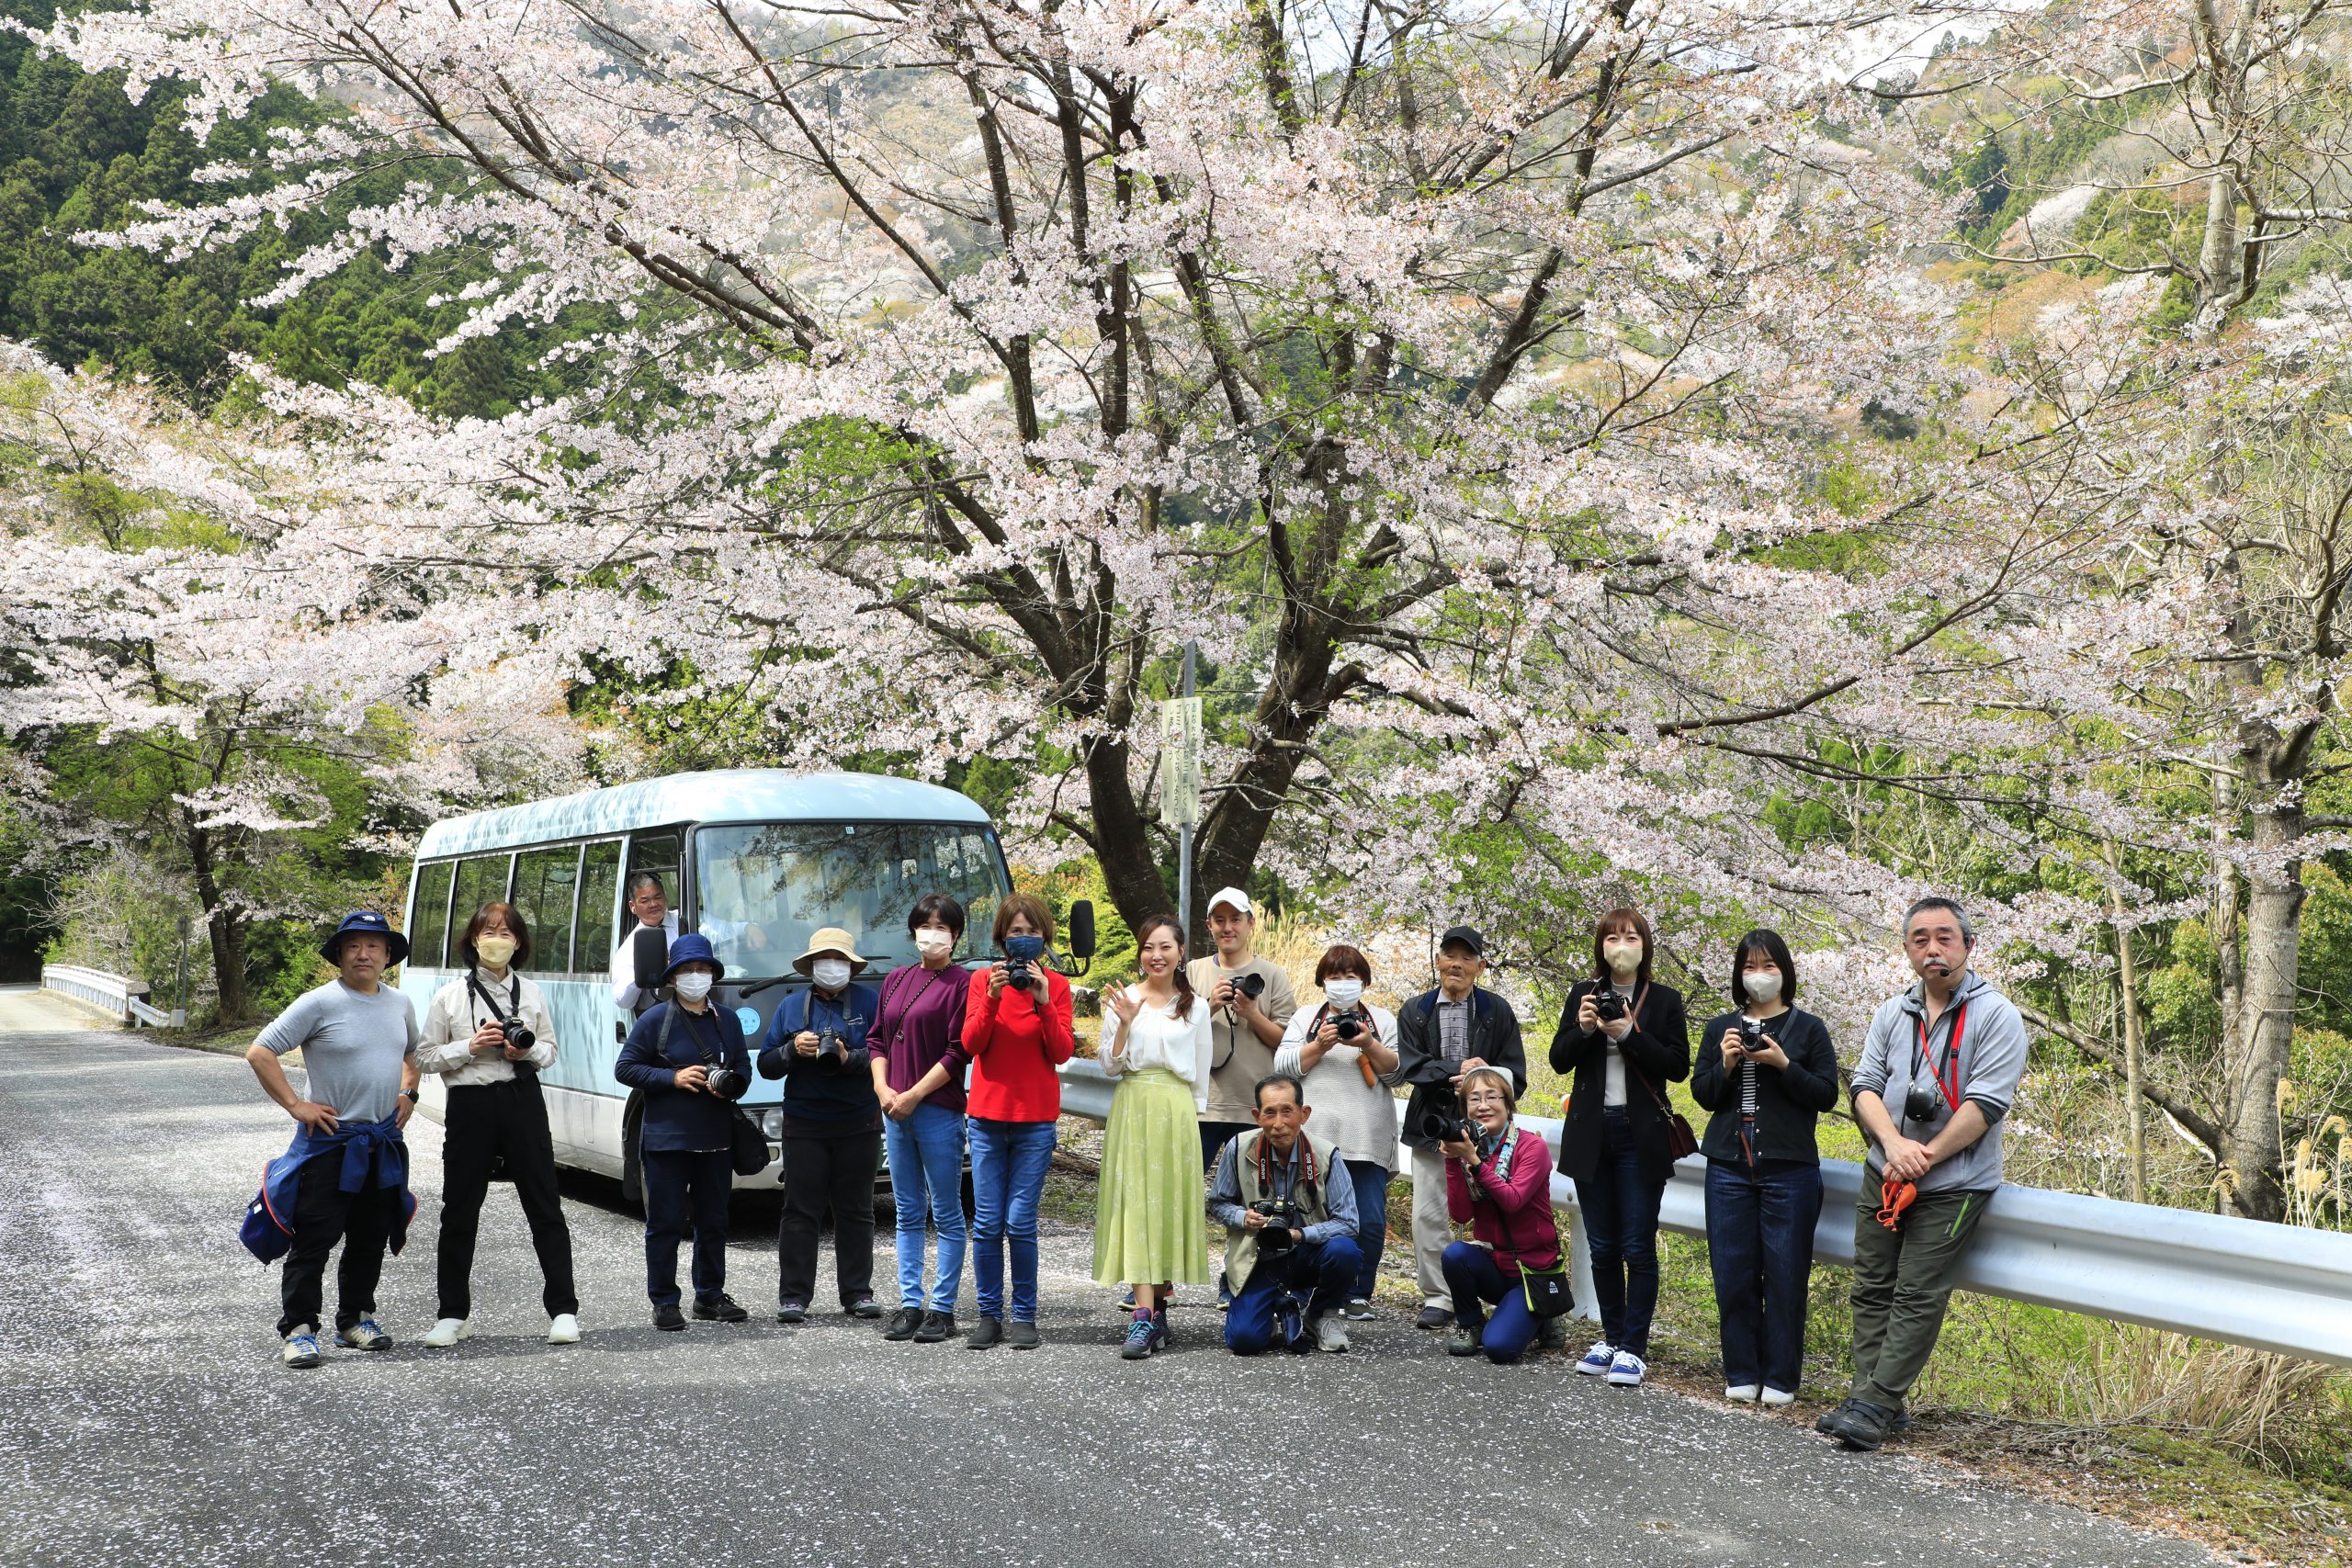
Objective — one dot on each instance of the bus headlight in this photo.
(772, 1123)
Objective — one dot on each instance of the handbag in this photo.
(1680, 1141)
(1548, 1289)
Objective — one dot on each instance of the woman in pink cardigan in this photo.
(1506, 1199)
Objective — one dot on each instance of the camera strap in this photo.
(1949, 1066)
(482, 992)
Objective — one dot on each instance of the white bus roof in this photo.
(731, 795)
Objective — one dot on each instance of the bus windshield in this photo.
(763, 889)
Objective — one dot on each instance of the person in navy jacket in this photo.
(691, 1063)
(832, 1126)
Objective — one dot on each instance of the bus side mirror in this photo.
(650, 951)
(1081, 933)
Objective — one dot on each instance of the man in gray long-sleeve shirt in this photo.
(1935, 1081)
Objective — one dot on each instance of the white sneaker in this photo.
(1775, 1397)
(448, 1331)
(1627, 1369)
(1331, 1334)
(563, 1329)
(1741, 1393)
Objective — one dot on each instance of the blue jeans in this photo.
(685, 1190)
(1327, 1270)
(1759, 1240)
(1008, 1161)
(1476, 1279)
(927, 1177)
(1621, 1228)
(1371, 1183)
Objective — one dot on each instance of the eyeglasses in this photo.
(1488, 1099)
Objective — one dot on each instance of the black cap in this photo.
(1465, 936)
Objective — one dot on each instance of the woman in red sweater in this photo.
(1505, 1194)
(1017, 1031)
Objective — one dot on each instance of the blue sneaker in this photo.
(1143, 1338)
(301, 1351)
(1597, 1361)
(365, 1334)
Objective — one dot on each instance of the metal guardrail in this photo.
(2243, 1281)
(125, 999)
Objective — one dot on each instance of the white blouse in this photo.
(1159, 1038)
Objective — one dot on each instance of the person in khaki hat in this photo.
(832, 1125)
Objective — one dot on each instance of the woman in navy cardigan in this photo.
(1624, 1039)
(685, 1145)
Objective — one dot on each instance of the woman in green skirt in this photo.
(1150, 1229)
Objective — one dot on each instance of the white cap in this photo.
(1235, 896)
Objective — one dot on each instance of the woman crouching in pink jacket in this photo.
(1502, 1184)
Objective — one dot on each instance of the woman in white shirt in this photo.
(1150, 1227)
(1345, 1051)
(494, 1111)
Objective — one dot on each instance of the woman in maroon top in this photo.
(918, 1060)
(1017, 1027)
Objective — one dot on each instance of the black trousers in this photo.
(823, 1170)
(324, 1215)
(685, 1191)
(485, 1122)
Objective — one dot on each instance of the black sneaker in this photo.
(669, 1319)
(721, 1308)
(986, 1332)
(1827, 1423)
(1433, 1317)
(903, 1323)
(936, 1327)
(789, 1311)
(1859, 1424)
(1021, 1335)
(862, 1306)
(1900, 1425)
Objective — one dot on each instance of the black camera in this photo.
(832, 1050)
(1608, 1006)
(724, 1082)
(1347, 1026)
(1920, 1104)
(1281, 1220)
(1441, 1120)
(519, 1035)
(1252, 986)
(1752, 1035)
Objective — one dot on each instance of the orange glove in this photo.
(1894, 1197)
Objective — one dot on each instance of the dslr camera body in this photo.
(1442, 1123)
(1253, 984)
(724, 1081)
(1919, 1103)
(1607, 1005)
(1347, 1025)
(832, 1050)
(1281, 1218)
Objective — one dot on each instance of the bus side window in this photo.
(428, 923)
(480, 880)
(600, 891)
(543, 883)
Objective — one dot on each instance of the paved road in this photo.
(28, 1008)
(143, 1417)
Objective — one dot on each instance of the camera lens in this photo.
(1250, 986)
(1345, 1028)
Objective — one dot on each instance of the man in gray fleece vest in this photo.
(1935, 1081)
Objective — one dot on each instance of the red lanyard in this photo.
(1952, 1056)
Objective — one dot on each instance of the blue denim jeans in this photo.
(1325, 1270)
(1476, 1280)
(1371, 1183)
(1760, 1242)
(1621, 1228)
(1008, 1161)
(927, 1180)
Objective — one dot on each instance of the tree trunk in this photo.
(1122, 836)
(2267, 1018)
(2128, 992)
(224, 930)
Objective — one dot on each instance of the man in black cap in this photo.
(346, 1172)
(1442, 1035)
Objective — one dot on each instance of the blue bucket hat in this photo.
(692, 947)
(372, 923)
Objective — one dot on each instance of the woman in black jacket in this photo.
(1768, 1072)
(1624, 1039)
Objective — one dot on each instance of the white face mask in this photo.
(1344, 993)
(692, 987)
(833, 974)
(1624, 957)
(932, 943)
(1761, 985)
(494, 951)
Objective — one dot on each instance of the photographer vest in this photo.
(1311, 1196)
